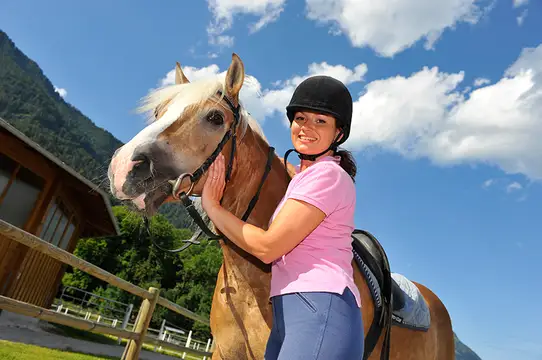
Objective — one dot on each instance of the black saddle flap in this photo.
(369, 249)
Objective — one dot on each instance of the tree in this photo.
(187, 278)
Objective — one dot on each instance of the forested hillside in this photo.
(29, 102)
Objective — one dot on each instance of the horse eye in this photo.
(215, 117)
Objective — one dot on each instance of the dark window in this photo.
(58, 225)
(18, 197)
(7, 168)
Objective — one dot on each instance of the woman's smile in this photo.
(306, 139)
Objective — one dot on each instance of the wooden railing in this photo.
(151, 298)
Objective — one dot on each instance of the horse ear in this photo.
(180, 78)
(235, 77)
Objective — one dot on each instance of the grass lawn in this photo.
(17, 351)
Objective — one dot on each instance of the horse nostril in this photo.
(142, 166)
(139, 158)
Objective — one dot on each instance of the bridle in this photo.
(195, 176)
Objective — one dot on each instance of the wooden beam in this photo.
(27, 157)
(102, 229)
(33, 242)
(42, 204)
(5, 190)
(182, 311)
(57, 318)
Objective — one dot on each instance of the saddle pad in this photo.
(415, 314)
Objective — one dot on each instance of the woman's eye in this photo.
(215, 118)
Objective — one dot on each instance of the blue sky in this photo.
(448, 107)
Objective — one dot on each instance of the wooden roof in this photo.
(95, 204)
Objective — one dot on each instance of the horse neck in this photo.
(249, 165)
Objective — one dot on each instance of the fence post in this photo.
(133, 347)
(126, 319)
(160, 335)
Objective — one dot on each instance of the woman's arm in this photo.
(293, 223)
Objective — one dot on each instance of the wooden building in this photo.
(43, 196)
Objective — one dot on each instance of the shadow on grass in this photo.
(80, 334)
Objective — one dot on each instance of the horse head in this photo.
(189, 124)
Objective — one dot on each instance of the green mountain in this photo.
(29, 102)
(463, 352)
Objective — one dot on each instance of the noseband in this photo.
(198, 173)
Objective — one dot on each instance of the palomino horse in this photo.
(190, 123)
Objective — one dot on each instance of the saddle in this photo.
(387, 296)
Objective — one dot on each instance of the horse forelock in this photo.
(194, 93)
(178, 96)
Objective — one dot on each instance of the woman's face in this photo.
(312, 133)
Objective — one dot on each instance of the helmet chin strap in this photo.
(312, 157)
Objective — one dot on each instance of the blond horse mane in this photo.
(195, 93)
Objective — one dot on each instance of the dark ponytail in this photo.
(348, 163)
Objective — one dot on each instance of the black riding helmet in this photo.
(325, 95)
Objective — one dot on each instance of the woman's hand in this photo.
(214, 184)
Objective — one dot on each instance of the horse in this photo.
(189, 124)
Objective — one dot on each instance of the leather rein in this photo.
(197, 174)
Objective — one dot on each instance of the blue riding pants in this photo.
(316, 326)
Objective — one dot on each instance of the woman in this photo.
(316, 304)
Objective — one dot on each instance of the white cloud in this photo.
(481, 81)
(519, 3)
(390, 26)
(401, 113)
(507, 185)
(222, 40)
(224, 10)
(426, 115)
(488, 183)
(191, 73)
(62, 92)
(521, 18)
(514, 186)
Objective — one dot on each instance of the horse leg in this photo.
(239, 324)
(228, 342)
(441, 324)
(434, 344)
(216, 355)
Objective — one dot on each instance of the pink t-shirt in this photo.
(323, 260)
